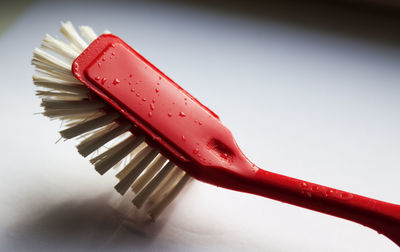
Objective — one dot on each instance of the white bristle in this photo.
(102, 137)
(59, 47)
(68, 30)
(152, 185)
(135, 172)
(50, 60)
(62, 104)
(163, 188)
(149, 173)
(135, 160)
(60, 95)
(99, 127)
(58, 113)
(89, 125)
(88, 33)
(157, 209)
(47, 71)
(116, 153)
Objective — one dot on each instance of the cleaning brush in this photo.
(158, 136)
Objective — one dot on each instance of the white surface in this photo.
(308, 105)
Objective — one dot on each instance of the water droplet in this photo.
(131, 75)
(157, 90)
(158, 83)
(304, 184)
(103, 59)
(99, 64)
(144, 99)
(183, 138)
(103, 81)
(116, 81)
(159, 77)
(314, 188)
(150, 114)
(170, 114)
(132, 90)
(153, 101)
(185, 103)
(152, 106)
(137, 94)
(113, 53)
(185, 99)
(182, 114)
(130, 83)
(195, 151)
(97, 78)
(195, 121)
(200, 123)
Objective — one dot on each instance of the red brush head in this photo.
(172, 120)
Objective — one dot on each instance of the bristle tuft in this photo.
(135, 171)
(88, 33)
(81, 128)
(68, 30)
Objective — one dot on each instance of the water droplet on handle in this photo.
(182, 114)
(116, 81)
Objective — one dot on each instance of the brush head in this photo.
(104, 133)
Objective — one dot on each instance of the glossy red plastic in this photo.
(192, 136)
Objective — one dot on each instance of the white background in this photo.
(307, 103)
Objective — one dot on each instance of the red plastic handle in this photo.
(381, 216)
(193, 137)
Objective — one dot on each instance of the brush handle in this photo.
(381, 216)
(192, 136)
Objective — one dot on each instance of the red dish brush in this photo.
(107, 90)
